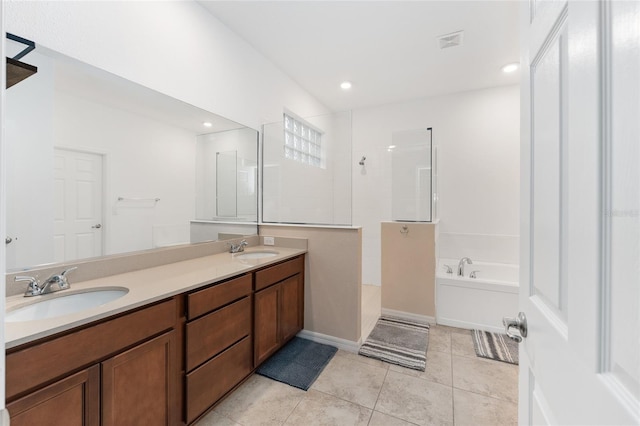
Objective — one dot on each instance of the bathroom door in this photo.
(77, 205)
(580, 189)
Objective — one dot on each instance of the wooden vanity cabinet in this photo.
(74, 400)
(120, 371)
(279, 306)
(218, 345)
(137, 385)
(164, 364)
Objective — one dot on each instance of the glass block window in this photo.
(302, 142)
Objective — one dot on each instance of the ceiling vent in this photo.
(450, 40)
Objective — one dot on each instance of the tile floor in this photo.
(457, 388)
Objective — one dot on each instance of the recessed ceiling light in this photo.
(345, 85)
(207, 124)
(510, 67)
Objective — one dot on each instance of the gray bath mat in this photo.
(298, 363)
(495, 346)
(398, 341)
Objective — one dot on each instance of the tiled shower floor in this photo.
(457, 388)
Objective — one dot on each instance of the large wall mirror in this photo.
(98, 165)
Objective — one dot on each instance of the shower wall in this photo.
(295, 192)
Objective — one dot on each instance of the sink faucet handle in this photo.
(62, 281)
(66, 271)
(33, 288)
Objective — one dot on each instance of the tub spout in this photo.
(461, 265)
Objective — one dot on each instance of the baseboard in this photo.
(408, 316)
(345, 345)
(469, 325)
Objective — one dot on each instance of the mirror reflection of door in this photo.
(77, 205)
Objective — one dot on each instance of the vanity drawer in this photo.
(277, 273)
(211, 381)
(211, 298)
(213, 333)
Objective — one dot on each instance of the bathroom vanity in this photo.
(167, 359)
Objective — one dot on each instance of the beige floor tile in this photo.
(215, 419)
(438, 368)
(439, 339)
(318, 408)
(363, 359)
(353, 381)
(473, 409)
(453, 329)
(462, 344)
(491, 378)
(416, 400)
(261, 401)
(381, 419)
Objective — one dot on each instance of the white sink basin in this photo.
(258, 254)
(59, 304)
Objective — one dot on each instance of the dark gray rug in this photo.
(299, 363)
(495, 346)
(398, 341)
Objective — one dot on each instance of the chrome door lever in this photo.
(519, 323)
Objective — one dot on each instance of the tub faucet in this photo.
(461, 265)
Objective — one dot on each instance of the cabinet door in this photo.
(266, 328)
(138, 386)
(291, 303)
(72, 401)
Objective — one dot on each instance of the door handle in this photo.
(519, 323)
(97, 226)
(8, 240)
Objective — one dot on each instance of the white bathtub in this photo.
(476, 303)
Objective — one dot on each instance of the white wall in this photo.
(477, 134)
(176, 47)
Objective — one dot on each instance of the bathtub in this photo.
(476, 303)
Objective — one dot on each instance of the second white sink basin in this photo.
(59, 304)
(258, 254)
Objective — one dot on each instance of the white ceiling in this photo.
(387, 49)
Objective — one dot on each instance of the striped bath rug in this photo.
(398, 341)
(495, 346)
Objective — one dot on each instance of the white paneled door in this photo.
(580, 256)
(77, 205)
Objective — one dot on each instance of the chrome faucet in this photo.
(237, 248)
(52, 284)
(461, 265)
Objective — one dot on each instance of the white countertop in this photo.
(145, 286)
